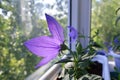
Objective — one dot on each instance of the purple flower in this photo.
(73, 33)
(116, 40)
(47, 47)
(101, 52)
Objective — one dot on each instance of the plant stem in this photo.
(75, 57)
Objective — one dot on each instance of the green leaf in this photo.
(115, 68)
(116, 22)
(91, 77)
(71, 71)
(117, 10)
(95, 44)
(79, 48)
(64, 61)
(119, 76)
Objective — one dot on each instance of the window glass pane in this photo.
(103, 19)
(21, 20)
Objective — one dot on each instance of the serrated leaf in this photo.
(91, 77)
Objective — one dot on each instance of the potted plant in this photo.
(81, 60)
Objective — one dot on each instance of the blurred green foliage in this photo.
(103, 19)
(16, 62)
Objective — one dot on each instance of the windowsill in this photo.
(53, 72)
(39, 72)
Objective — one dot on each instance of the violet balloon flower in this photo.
(73, 33)
(48, 47)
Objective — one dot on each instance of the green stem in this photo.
(75, 57)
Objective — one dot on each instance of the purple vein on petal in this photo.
(55, 28)
(45, 46)
(42, 46)
(43, 41)
(43, 52)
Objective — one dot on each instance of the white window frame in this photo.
(78, 17)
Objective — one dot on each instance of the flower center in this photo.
(63, 47)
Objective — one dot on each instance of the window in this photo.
(21, 20)
(103, 19)
(79, 17)
(24, 19)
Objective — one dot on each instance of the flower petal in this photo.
(55, 28)
(117, 40)
(101, 52)
(43, 46)
(45, 60)
(73, 33)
